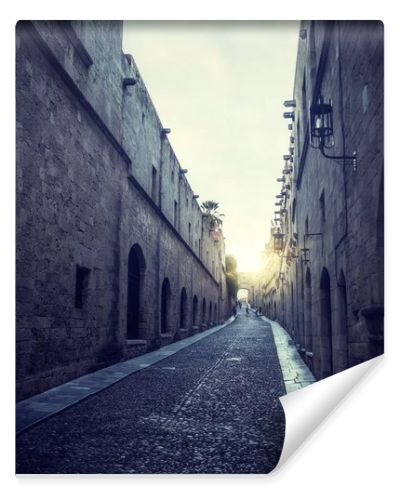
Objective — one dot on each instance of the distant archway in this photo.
(136, 269)
(165, 305)
(325, 351)
(183, 309)
(243, 295)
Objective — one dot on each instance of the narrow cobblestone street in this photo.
(213, 407)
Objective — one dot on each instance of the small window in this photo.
(81, 286)
(175, 213)
(154, 184)
(322, 206)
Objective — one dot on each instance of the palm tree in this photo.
(210, 209)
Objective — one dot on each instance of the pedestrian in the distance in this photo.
(234, 310)
(247, 310)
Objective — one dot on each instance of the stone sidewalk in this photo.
(296, 373)
(37, 408)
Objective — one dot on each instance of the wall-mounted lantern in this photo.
(278, 203)
(195, 196)
(321, 127)
(287, 171)
(278, 242)
(290, 126)
(165, 132)
(305, 255)
(183, 171)
(287, 157)
(291, 150)
(279, 196)
(280, 179)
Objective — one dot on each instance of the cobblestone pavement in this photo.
(211, 408)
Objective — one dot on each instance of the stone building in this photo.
(114, 255)
(323, 271)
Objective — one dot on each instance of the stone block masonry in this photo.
(114, 256)
(326, 284)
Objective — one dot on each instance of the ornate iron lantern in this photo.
(278, 241)
(321, 130)
(321, 125)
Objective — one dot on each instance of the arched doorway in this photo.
(183, 309)
(136, 268)
(325, 340)
(340, 357)
(292, 308)
(165, 305)
(203, 312)
(215, 314)
(308, 313)
(210, 313)
(194, 311)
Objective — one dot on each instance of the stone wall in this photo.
(327, 286)
(99, 188)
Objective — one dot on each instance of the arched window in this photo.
(183, 309)
(325, 337)
(165, 306)
(136, 269)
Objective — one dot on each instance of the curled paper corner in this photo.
(307, 408)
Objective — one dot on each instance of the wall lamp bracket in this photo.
(348, 160)
(321, 131)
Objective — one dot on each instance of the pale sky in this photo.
(220, 87)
